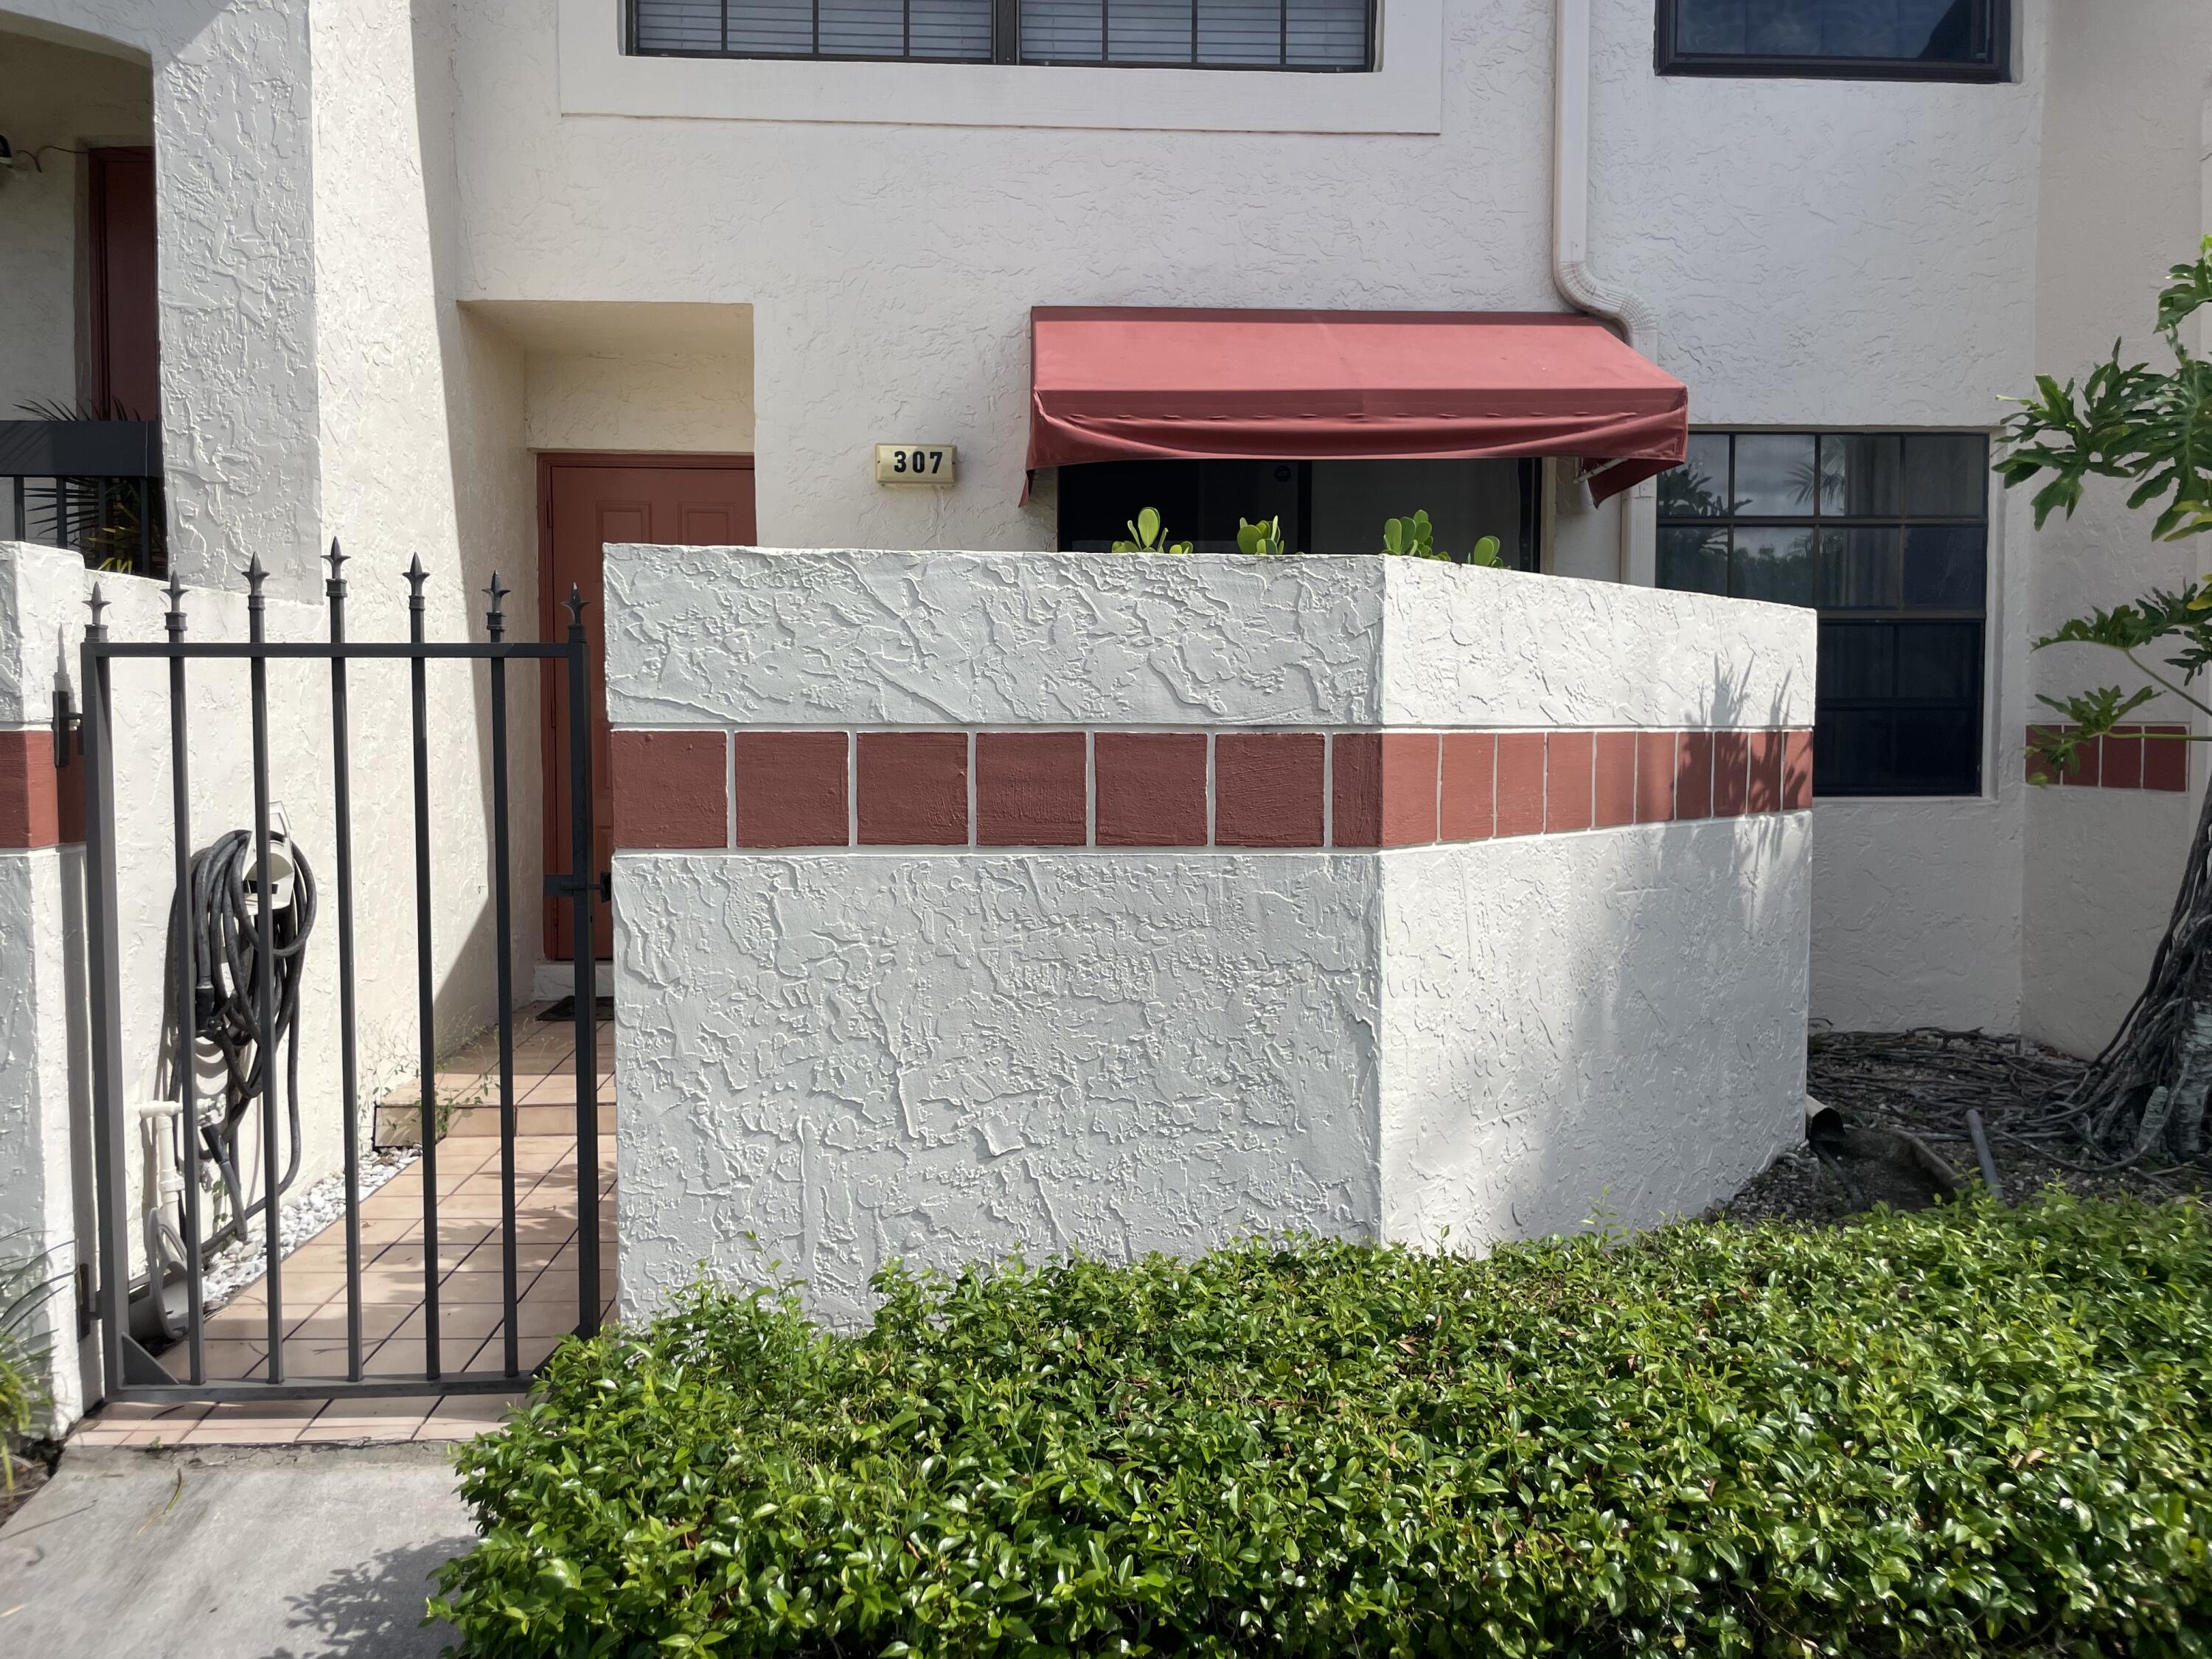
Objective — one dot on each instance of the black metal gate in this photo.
(132, 1372)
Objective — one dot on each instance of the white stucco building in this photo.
(494, 282)
(407, 253)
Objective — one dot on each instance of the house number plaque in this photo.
(929, 466)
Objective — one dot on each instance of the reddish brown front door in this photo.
(125, 327)
(585, 502)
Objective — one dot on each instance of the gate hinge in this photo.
(565, 886)
(68, 728)
(84, 1300)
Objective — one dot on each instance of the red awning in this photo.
(1113, 383)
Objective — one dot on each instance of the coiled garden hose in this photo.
(218, 906)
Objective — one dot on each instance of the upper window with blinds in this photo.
(1323, 35)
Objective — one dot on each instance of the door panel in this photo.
(587, 502)
(125, 324)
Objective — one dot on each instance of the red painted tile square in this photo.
(1797, 771)
(1267, 788)
(791, 788)
(1152, 788)
(1731, 774)
(2123, 759)
(2087, 771)
(1568, 769)
(1032, 789)
(1383, 788)
(1693, 776)
(1467, 797)
(1615, 801)
(1355, 777)
(1656, 753)
(2165, 758)
(1764, 792)
(913, 788)
(1520, 783)
(37, 804)
(671, 789)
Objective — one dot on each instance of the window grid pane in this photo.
(1886, 535)
(1314, 35)
(1946, 39)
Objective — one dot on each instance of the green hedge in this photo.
(1968, 1431)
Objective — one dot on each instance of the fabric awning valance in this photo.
(1136, 383)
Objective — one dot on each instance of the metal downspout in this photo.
(1570, 273)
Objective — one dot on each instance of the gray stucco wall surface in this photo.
(828, 1062)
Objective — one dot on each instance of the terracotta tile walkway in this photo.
(470, 1314)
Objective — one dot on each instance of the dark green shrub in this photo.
(1972, 1430)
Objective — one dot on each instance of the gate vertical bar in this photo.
(186, 1033)
(101, 942)
(495, 623)
(583, 878)
(264, 970)
(425, 1011)
(349, 1062)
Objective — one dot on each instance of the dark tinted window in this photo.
(1925, 40)
(1298, 35)
(1325, 507)
(1886, 533)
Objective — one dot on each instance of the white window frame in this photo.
(1403, 94)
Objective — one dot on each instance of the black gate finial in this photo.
(574, 605)
(496, 619)
(257, 602)
(334, 586)
(174, 621)
(97, 603)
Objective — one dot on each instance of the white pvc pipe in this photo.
(1570, 271)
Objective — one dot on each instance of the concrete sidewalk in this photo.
(262, 1552)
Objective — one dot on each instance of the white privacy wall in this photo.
(832, 1061)
(833, 1057)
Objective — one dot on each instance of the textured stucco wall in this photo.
(232, 86)
(1604, 1025)
(44, 1154)
(828, 1060)
(717, 635)
(2123, 197)
(1485, 647)
(941, 1058)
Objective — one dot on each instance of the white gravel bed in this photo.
(301, 1216)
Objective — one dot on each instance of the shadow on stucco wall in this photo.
(1621, 1040)
(1736, 1084)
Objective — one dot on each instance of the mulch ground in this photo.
(32, 1466)
(1925, 1082)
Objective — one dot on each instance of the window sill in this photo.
(1978, 798)
(1834, 68)
(1404, 95)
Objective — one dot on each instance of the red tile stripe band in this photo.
(2153, 757)
(39, 804)
(693, 790)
